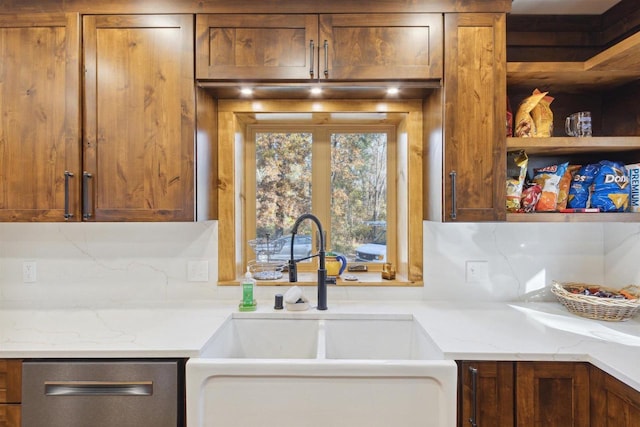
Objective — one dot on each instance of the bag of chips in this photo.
(543, 116)
(516, 172)
(611, 188)
(580, 189)
(530, 197)
(565, 183)
(525, 126)
(548, 178)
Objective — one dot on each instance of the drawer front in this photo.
(10, 381)
(10, 416)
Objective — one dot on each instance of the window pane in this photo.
(359, 195)
(283, 189)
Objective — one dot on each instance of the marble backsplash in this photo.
(94, 263)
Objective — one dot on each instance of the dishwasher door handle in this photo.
(98, 388)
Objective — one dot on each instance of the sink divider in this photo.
(322, 340)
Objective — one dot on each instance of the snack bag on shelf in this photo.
(548, 178)
(516, 172)
(580, 189)
(530, 197)
(543, 116)
(634, 187)
(525, 125)
(611, 188)
(565, 183)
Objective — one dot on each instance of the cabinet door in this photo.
(491, 403)
(381, 46)
(39, 117)
(256, 47)
(475, 115)
(10, 416)
(139, 118)
(552, 394)
(613, 403)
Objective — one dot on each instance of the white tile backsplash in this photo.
(82, 263)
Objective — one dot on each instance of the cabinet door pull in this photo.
(312, 48)
(474, 396)
(326, 58)
(454, 197)
(67, 175)
(86, 208)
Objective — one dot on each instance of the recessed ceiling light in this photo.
(316, 90)
(246, 91)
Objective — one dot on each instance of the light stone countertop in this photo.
(462, 331)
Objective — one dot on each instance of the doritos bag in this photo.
(611, 188)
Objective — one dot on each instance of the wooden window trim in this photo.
(234, 117)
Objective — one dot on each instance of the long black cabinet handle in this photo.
(67, 175)
(98, 388)
(474, 397)
(86, 206)
(326, 58)
(312, 48)
(454, 196)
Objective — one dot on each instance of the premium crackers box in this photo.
(634, 183)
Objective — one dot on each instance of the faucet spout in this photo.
(322, 271)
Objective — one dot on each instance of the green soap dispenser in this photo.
(248, 302)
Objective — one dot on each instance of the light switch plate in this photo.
(198, 271)
(477, 271)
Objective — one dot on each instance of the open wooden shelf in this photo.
(571, 145)
(573, 217)
(613, 67)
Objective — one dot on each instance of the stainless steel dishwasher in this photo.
(103, 393)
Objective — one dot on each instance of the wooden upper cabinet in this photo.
(474, 118)
(319, 47)
(39, 117)
(139, 125)
(552, 394)
(381, 46)
(256, 46)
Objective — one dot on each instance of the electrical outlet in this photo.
(198, 271)
(29, 271)
(477, 271)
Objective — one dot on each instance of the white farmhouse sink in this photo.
(253, 338)
(390, 339)
(318, 370)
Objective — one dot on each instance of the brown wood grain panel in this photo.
(475, 111)
(256, 46)
(10, 416)
(140, 117)
(494, 395)
(254, 6)
(613, 403)
(10, 381)
(381, 46)
(39, 115)
(552, 394)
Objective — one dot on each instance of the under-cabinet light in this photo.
(316, 90)
(246, 91)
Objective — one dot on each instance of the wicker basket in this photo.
(594, 307)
